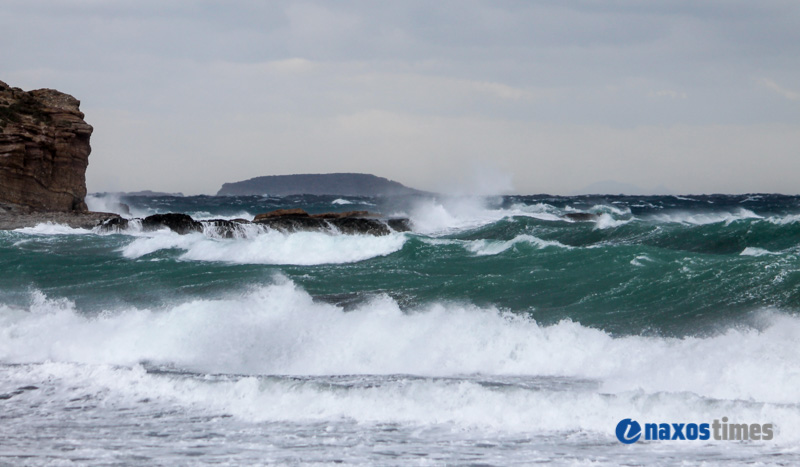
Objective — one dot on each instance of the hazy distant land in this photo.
(344, 184)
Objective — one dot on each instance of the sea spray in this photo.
(501, 331)
(280, 329)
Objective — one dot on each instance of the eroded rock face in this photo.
(44, 150)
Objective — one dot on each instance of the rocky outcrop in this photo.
(44, 150)
(180, 223)
(17, 217)
(351, 222)
(282, 220)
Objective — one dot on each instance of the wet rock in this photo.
(281, 213)
(581, 216)
(115, 224)
(400, 224)
(179, 223)
(225, 228)
(349, 222)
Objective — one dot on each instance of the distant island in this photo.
(340, 184)
(143, 193)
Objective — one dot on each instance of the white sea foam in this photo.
(695, 218)
(610, 209)
(451, 214)
(641, 260)
(607, 221)
(494, 247)
(111, 202)
(460, 370)
(49, 228)
(279, 329)
(448, 215)
(783, 220)
(341, 201)
(269, 247)
(465, 403)
(754, 251)
(205, 215)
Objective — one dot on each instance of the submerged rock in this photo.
(581, 216)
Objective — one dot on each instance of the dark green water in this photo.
(660, 265)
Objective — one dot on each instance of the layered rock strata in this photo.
(44, 150)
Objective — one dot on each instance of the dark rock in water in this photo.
(179, 223)
(115, 224)
(282, 220)
(345, 225)
(358, 225)
(281, 213)
(225, 228)
(350, 222)
(581, 216)
(399, 224)
(13, 216)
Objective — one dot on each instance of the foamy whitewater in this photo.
(498, 332)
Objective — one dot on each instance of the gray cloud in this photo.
(559, 94)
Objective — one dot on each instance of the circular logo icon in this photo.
(628, 431)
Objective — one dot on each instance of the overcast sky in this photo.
(544, 96)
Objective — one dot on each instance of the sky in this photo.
(477, 96)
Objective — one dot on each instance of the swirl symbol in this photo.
(628, 431)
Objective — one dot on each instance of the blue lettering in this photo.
(650, 431)
(663, 431)
(691, 431)
(678, 431)
(704, 432)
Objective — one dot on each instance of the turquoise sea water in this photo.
(498, 331)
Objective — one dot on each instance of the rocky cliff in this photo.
(44, 150)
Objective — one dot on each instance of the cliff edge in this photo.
(44, 150)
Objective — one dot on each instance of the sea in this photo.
(499, 331)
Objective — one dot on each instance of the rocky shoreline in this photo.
(281, 220)
(285, 221)
(18, 217)
(44, 152)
